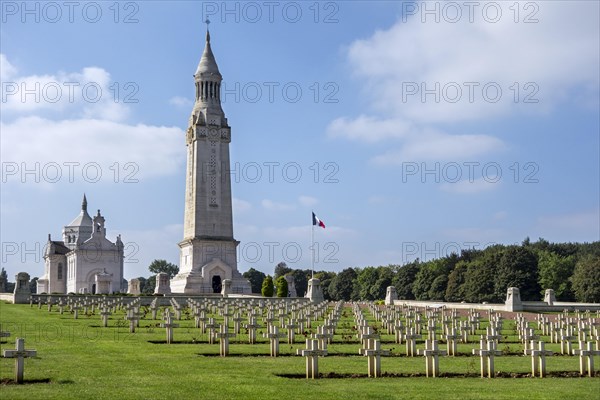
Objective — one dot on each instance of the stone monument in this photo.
(162, 284)
(208, 249)
(314, 291)
(133, 286)
(513, 299)
(390, 295)
(22, 292)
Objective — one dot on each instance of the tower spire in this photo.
(84, 204)
(207, 81)
(207, 22)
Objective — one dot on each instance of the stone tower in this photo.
(208, 250)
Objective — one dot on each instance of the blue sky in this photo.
(412, 129)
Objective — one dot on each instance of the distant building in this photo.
(85, 261)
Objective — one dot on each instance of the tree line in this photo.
(474, 276)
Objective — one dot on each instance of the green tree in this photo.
(385, 275)
(518, 268)
(149, 285)
(342, 284)
(325, 277)
(3, 280)
(281, 269)
(437, 291)
(480, 277)
(301, 277)
(282, 287)
(455, 290)
(255, 278)
(404, 279)
(33, 285)
(158, 266)
(586, 279)
(365, 281)
(555, 272)
(427, 274)
(267, 287)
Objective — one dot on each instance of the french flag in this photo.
(317, 221)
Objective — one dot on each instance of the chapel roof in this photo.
(83, 219)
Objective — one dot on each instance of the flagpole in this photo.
(312, 247)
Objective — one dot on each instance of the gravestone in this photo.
(19, 354)
(487, 352)
(212, 327)
(312, 353)
(163, 284)
(538, 360)
(168, 325)
(252, 326)
(586, 354)
(291, 325)
(223, 335)
(105, 313)
(411, 342)
(374, 358)
(452, 342)
(431, 354)
(273, 335)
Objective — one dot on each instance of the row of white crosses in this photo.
(488, 343)
(371, 343)
(317, 346)
(564, 327)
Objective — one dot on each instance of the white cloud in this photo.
(565, 39)
(180, 101)
(368, 129)
(240, 206)
(307, 201)
(141, 151)
(441, 146)
(78, 117)
(458, 61)
(275, 206)
(469, 187)
(576, 226)
(7, 70)
(85, 94)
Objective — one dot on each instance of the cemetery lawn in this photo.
(79, 359)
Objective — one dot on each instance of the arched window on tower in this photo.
(60, 271)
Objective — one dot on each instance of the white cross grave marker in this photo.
(19, 354)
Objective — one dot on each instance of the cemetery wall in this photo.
(527, 306)
(6, 297)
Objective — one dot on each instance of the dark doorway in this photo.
(216, 284)
(93, 288)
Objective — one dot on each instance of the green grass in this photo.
(80, 359)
